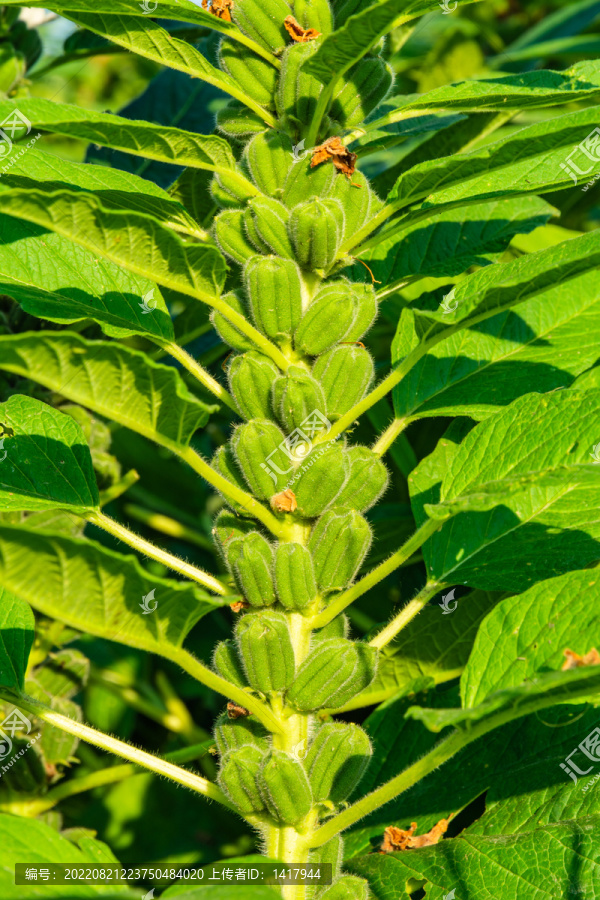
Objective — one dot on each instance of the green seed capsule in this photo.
(295, 396)
(335, 671)
(358, 203)
(229, 532)
(259, 447)
(331, 852)
(297, 91)
(226, 662)
(253, 570)
(231, 734)
(266, 651)
(236, 121)
(231, 237)
(255, 75)
(250, 378)
(303, 183)
(228, 333)
(336, 760)
(365, 310)
(345, 374)
(225, 464)
(12, 67)
(269, 157)
(339, 542)
(327, 320)
(275, 293)
(324, 474)
(270, 218)
(314, 14)
(316, 228)
(262, 20)
(367, 480)
(252, 233)
(239, 188)
(366, 85)
(348, 887)
(284, 788)
(294, 576)
(337, 628)
(237, 778)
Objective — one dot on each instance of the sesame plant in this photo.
(273, 228)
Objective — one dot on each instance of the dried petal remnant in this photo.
(219, 8)
(284, 502)
(235, 711)
(396, 839)
(238, 605)
(575, 661)
(343, 159)
(297, 32)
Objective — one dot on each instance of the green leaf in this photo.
(47, 461)
(16, 639)
(547, 340)
(123, 385)
(346, 46)
(98, 591)
(63, 674)
(158, 142)
(432, 646)
(532, 535)
(527, 634)
(54, 279)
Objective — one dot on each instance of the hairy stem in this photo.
(389, 436)
(167, 525)
(200, 374)
(406, 615)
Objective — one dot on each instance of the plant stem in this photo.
(322, 107)
(389, 436)
(167, 525)
(242, 324)
(96, 517)
(406, 615)
(200, 374)
(120, 748)
(250, 504)
(377, 574)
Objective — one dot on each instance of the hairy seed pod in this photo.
(270, 218)
(324, 474)
(266, 651)
(284, 788)
(337, 628)
(262, 20)
(303, 183)
(295, 396)
(226, 662)
(367, 480)
(348, 887)
(253, 570)
(252, 233)
(328, 319)
(225, 464)
(275, 294)
(345, 374)
(250, 378)
(366, 85)
(336, 760)
(339, 542)
(236, 121)
(238, 775)
(316, 228)
(294, 576)
(228, 333)
(255, 75)
(12, 67)
(230, 734)
(315, 14)
(266, 467)
(231, 237)
(358, 203)
(332, 852)
(297, 91)
(365, 310)
(269, 157)
(335, 671)
(229, 532)
(239, 188)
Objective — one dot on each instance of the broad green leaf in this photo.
(532, 90)
(134, 241)
(98, 591)
(16, 639)
(536, 534)
(450, 243)
(56, 746)
(47, 461)
(121, 384)
(433, 645)
(528, 161)
(547, 341)
(528, 633)
(25, 840)
(346, 46)
(159, 142)
(583, 45)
